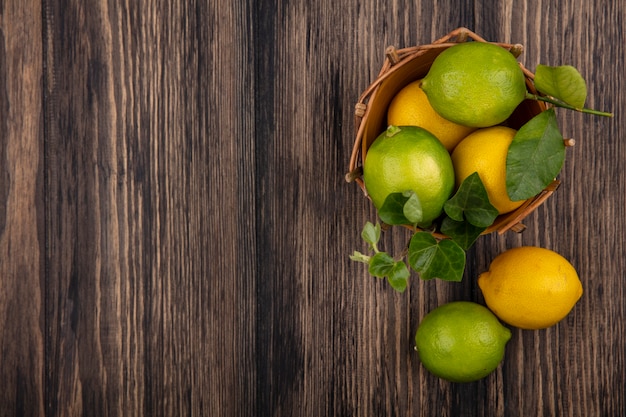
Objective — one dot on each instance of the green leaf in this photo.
(399, 276)
(463, 233)
(392, 210)
(443, 259)
(412, 208)
(563, 83)
(371, 233)
(359, 257)
(535, 156)
(381, 265)
(401, 208)
(471, 203)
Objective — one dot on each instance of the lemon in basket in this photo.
(461, 341)
(409, 158)
(475, 84)
(410, 107)
(530, 287)
(485, 151)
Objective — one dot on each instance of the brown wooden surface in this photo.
(175, 226)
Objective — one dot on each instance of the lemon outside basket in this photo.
(403, 66)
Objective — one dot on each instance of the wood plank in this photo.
(150, 157)
(561, 361)
(21, 210)
(89, 304)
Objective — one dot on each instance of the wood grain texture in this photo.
(151, 168)
(22, 353)
(175, 170)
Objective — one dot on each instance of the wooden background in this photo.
(175, 225)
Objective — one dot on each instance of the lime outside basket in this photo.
(403, 66)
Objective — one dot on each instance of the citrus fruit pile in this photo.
(454, 163)
(526, 287)
(470, 89)
(447, 166)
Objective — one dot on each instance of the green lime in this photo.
(409, 158)
(475, 84)
(461, 341)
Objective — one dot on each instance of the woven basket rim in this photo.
(394, 60)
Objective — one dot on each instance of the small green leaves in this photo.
(413, 208)
(471, 203)
(535, 156)
(371, 234)
(398, 276)
(463, 233)
(381, 264)
(360, 257)
(431, 258)
(563, 86)
(563, 83)
(401, 208)
(469, 212)
(537, 153)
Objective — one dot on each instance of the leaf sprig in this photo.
(537, 153)
(381, 264)
(563, 86)
(467, 214)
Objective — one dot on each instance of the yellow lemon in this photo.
(484, 151)
(461, 341)
(410, 107)
(530, 287)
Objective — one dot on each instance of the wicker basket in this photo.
(401, 67)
